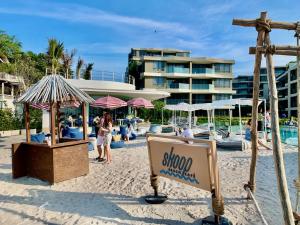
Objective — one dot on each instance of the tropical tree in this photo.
(80, 63)
(88, 71)
(10, 48)
(55, 51)
(67, 59)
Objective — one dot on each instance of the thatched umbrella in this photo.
(55, 91)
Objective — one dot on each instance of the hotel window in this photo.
(159, 81)
(158, 66)
(222, 68)
(222, 83)
(223, 97)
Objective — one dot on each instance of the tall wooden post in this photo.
(27, 122)
(84, 121)
(256, 83)
(58, 121)
(297, 181)
(52, 123)
(276, 141)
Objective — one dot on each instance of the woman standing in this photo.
(107, 129)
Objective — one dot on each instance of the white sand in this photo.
(112, 194)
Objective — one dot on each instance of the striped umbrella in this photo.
(109, 102)
(140, 103)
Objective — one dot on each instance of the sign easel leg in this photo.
(156, 198)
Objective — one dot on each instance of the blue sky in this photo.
(103, 31)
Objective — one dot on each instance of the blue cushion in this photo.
(38, 138)
(133, 136)
(117, 144)
(66, 131)
(76, 135)
(123, 130)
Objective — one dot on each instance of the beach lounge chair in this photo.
(228, 144)
(154, 129)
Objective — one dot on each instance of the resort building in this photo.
(243, 84)
(187, 79)
(10, 86)
(287, 91)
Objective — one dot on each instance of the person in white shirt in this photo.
(187, 133)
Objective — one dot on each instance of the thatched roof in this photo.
(54, 88)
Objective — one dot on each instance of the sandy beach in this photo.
(113, 194)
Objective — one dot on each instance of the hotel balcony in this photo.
(202, 70)
(178, 87)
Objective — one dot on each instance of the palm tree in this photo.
(67, 60)
(78, 67)
(88, 71)
(55, 51)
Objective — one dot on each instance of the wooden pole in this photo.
(84, 121)
(27, 122)
(273, 24)
(252, 51)
(256, 83)
(52, 123)
(58, 121)
(276, 142)
(298, 117)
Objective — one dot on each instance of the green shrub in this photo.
(8, 121)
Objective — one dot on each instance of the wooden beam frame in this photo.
(52, 123)
(273, 24)
(84, 121)
(27, 122)
(256, 83)
(263, 27)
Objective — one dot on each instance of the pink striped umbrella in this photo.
(140, 103)
(45, 106)
(109, 102)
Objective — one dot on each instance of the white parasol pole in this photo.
(265, 123)
(240, 116)
(230, 117)
(190, 119)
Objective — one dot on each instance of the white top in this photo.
(187, 133)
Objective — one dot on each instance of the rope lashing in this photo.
(154, 180)
(250, 186)
(297, 32)
(256, 205)
(263, 25)
(218, 205)
(270, 49)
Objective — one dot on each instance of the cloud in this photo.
(94, 16)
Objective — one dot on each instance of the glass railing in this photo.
(176, 101)
(202, 70)
(177, 70)
(179, 86)
(202, 86)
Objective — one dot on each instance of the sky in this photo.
(104, 31)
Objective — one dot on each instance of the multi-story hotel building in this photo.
(187, 79)
(287, 90)
(10, 86)
(243, 84)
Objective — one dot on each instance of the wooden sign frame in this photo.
(213, 172)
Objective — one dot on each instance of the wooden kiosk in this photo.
(61, 159)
